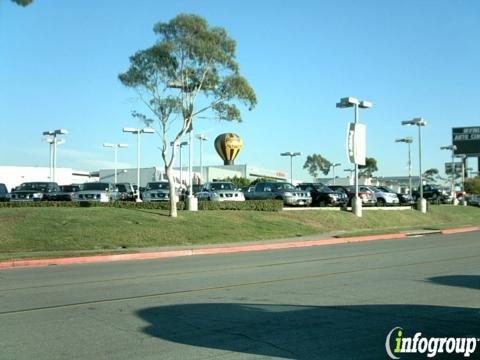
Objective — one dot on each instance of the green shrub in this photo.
(255, 205)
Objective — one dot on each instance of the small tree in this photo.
(472, 186)
(190, 60)
(430, 174)
(23, 2)
(316, 163)
(369, 168)
(239, 182)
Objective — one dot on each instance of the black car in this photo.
(4, 196)
(36, 191)
(67, 192)
(324, 196)
(126, 191)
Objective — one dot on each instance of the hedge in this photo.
(253, 205)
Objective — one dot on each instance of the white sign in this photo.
(356, 143)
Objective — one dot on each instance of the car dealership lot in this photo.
(324, 302)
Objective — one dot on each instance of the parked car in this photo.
(158, 191)
(220, 191)
(281, 191)
(432, 193)
(368, 197)
(4, 195)
(97, 192)
(324, 196)
(35, 191)
(384, 198)
(473, 200)
(126, 191)
(404, 199)
(67, 192)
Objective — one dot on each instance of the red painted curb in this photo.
(213, 250)
(191, 252)
(460, 230)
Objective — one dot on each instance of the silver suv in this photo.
(281, 191)
(220, 191)
(384, 198)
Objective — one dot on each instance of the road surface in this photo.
(328, 302)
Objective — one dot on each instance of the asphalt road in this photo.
(330, 302)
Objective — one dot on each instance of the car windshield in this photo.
(385, 189)
(158, 186)
(324, 189)
(96, 186)
(222, 186)
(33, 186)
(122, 188)
(283, 186)
(69, 188)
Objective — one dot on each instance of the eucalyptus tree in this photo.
(316, 163)
(190, 72)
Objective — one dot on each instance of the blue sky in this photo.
(59, 62)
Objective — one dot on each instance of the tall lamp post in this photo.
(52, 134)
(333, 166)
(115, 147)
(422, 203)
(292, 155)
(138, 132)
(202, 138)
(408, 140)
(355, 103)
(452, 148)
(180, 145)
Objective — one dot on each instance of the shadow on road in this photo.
(304, 332)
(467, 281)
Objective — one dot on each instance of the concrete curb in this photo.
(212, 250)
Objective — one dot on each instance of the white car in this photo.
(97, 192)
(384, 198)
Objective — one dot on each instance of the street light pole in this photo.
(333, 166)
(202, 138)
(115, 147)
(452, 186)
(422, 203)
(53, 134)
(138, 132)
(292, 155)
(408, 140)
(355, 103)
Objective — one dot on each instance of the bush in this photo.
(253, 205)
(117, 204)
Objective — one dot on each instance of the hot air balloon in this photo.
(228, 146)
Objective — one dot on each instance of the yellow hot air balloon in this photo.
(228, 146)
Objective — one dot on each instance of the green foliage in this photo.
(253, 205)
(430, 174)
(239, 182)
(369, 168)
(117, 204)
(472, 186)
(23, 2)
(261, 179)
(316, 163)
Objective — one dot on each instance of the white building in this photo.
(13, 176)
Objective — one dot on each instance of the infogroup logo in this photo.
(397, 343)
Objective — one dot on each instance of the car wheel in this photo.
(381, 202)
(322, 203)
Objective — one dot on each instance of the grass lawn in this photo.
(40, 232)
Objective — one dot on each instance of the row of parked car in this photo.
(305, 194)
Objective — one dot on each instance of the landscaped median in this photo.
(30, 232)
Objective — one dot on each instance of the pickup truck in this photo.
(36, 191)
(431, 193)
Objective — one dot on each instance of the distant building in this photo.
(13, 176)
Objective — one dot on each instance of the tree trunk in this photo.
(173, 192)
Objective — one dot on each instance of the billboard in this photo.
(467, 140)
(457, 165)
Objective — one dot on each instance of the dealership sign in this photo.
(356, 143)
(466, 140)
